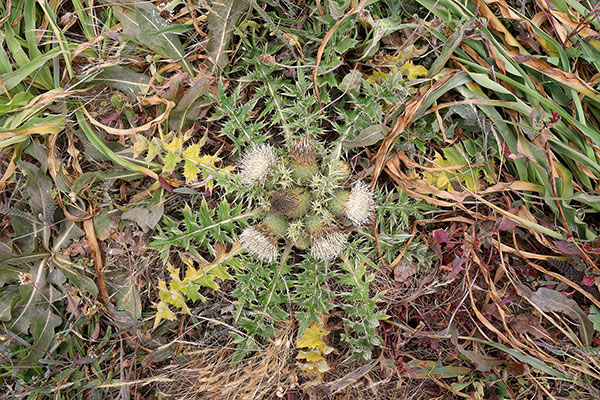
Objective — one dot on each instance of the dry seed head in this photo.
(327, 243)
(257, 164)
(303, 152)
(284, 202)
(293, 203)
(359, 205)
(304, 160)
(25, 278)
(260, 241)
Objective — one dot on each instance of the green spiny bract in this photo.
(303, 201)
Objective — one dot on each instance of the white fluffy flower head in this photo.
(327, 243)
(260, 241)
(360, 204)
(257, 164)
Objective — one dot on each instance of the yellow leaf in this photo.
(175, 145)
(319, 367)
(227, 170)
(170, 162)
(191, 171)
(188, 134)
(377, 77)
(309, 367)
(442, 181)
(192, 153)
(323, 366)
(324, 349)
(163, 311)
(408, 53)
(153, 149)
(192, 273)
(313, 336)
(312, 355)
(413, 71)
(140, 145)
(208, 161)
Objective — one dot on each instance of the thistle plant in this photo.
(303, 201)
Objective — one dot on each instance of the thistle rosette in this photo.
(300, 199)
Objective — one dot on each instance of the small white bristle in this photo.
(327, 243)
(360, 204)
(257, 164)
(259, 243)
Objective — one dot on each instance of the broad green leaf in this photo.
(142, 21)
(549, 300)
(423, 369)
(40, 199)
(32, 309)
(222, 20)
(594, 316)
(532, 361)
(127, 297)
(188, 109)
(368, 136)
(122, 79)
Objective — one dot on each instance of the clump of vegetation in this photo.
(259, 199)
(297, 186)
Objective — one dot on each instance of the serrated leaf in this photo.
(175, 145)
(190, 171)
(192, 153)
(170, 162)
(222, 20)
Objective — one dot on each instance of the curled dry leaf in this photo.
(154, 100)
(527, 323)
(404, 270)
(482, 362)
(549, 300)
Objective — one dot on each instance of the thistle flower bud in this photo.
(257, 164)
(327, 242)
(341, 170)
(276, 223)
(359, 204)
(304, 160)
(260, 241)
(291, 202)
(303, 152)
